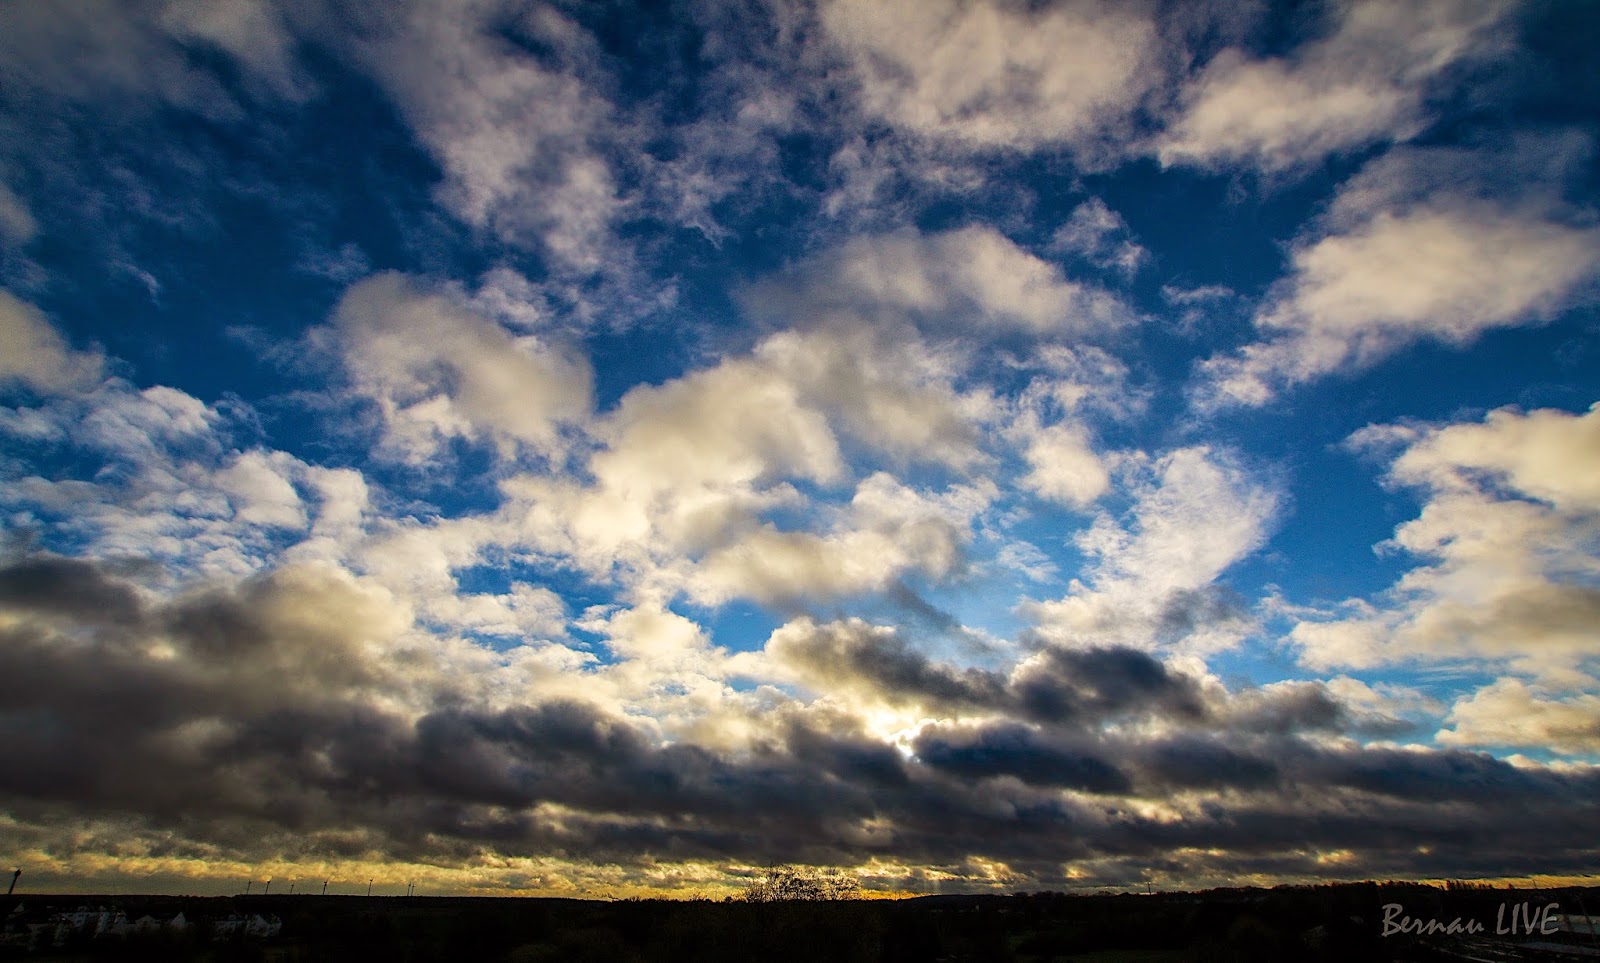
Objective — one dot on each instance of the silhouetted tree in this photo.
(803, 883)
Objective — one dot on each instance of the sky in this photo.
(603, 449)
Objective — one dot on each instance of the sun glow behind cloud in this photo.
(521, 447)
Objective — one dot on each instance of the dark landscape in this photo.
(1331, 922)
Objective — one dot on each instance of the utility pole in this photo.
(369, 887)
(291, 888)
(16, 874)
(324, 887)
(268, 889)
(247, 886)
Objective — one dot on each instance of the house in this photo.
(261, 927)
(254, 927)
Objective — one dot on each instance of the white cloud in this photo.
(144, 424)
(689, 474)
(1513, 547)
(957, 280)
(997, 74)
(750, 95)
(161, 480)
(680, 446)
(1152, 578)
(437, 370)
(1049, 428)
(887, 531)
(1384, 703)
(1509, 712)
(1198, 516)
(1451, 271)
(886, 387)
(680, 469)
(1081, 379)
(1028, 560)
(259, 487)
(866, 174)
(34, 353)
(650, 633)
(1189, 297)
(519, 138)
(1063, 466)
(1404, 258)
(419, 561)
(1365, 82)
(1100, 235)
(1551, 455)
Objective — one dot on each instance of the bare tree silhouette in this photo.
(803, 883)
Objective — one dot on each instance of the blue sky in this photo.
(577, 448)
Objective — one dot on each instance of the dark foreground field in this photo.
(1302, 925)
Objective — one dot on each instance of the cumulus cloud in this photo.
(891, 390)
(1419, 246)
(1063, 467)
(735, 480)
(1552, 456)
(437, 370)
(888, 530)
(1099, 235)
(1508, 538)
(33, 352)
(682, 465)
(157, 474)
(520, 138)
(1153, 579)
(997, 74)
(1367, 80)
(962, 280)
(1509, 712)
(1051, 431)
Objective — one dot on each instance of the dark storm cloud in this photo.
(244, 736)
(878, 662)
(1084, 686)
(1016, 750)
(1057, 686)
(1448, 776)
(68, 587)
(845, 753)
(1287, 707)
(1186, 611)
(1205, 762)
